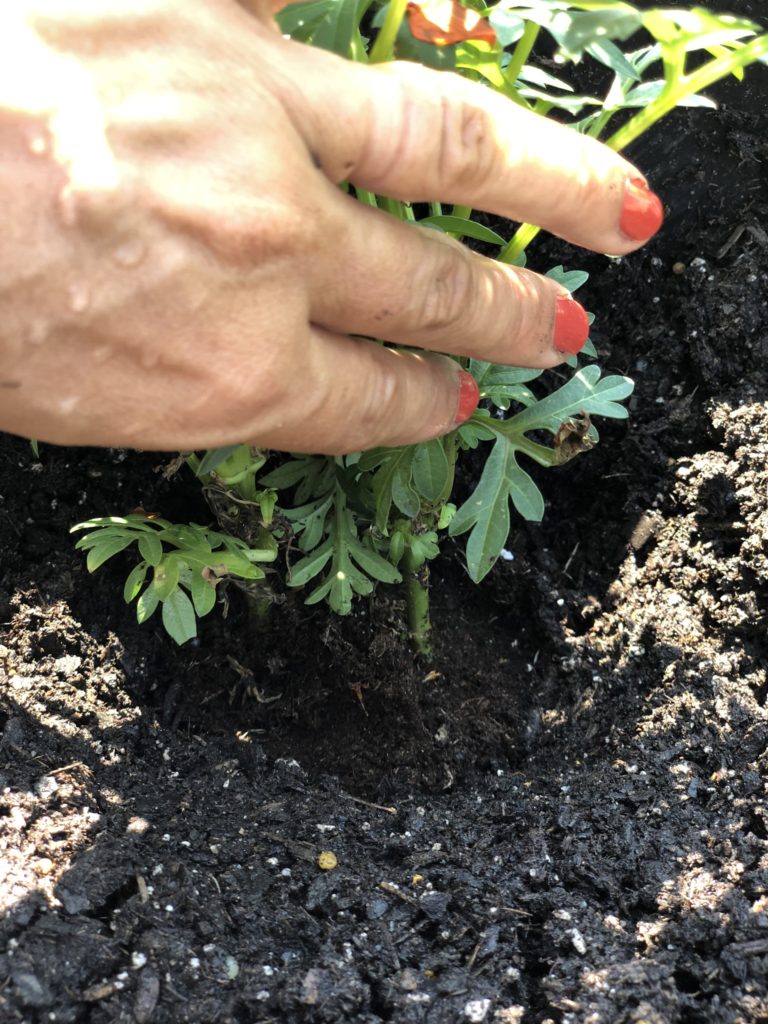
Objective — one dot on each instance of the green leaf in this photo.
(393, 471)
(307, 568)
(102, 552)
(486, 511)
(507, 25)
(570, 279)
(584, 392)
(300, 21)
(150, 548)
(443, 58)
(462, 226)
(537, 76)
(337, 29)
(166, 576)
(376, 566)
(287, 475)
(179, 617)
(146, 605)
(431, 471)
(606, 52)
(403, 494)
(214, 457)
(203, 594)
(135, 582)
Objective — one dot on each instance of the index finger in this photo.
(411, 133)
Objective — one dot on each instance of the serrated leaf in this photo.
(607, 53)
(307, 568)
(340, 594)
(287, 475)
(314, 525)
(570, 279)
(179, 617)
(134, 582)
(98, 537)
(486, 511)
(584, 392)
(372, 563)
(101, 553)
(151, 548)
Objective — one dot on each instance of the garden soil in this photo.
(561, 818)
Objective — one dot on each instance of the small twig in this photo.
(376, 807)
(566, 567)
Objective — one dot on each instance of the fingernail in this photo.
(642, 213)
(571, 325)
(469, 396)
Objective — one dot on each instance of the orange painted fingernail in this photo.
(642, 214)
(571, 325)
(469, 396)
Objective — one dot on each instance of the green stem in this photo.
(393, 206)
(518, 243)
(648, 116)
(540, 453)
(384, 47)
(521, 52)
(416, 576)
(366, 197)
(687, 85)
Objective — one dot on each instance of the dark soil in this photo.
(562, 819)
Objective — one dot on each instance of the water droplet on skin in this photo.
(130, 253)
(67, 405)
(38, 145)
(67, 204)
(79, 297)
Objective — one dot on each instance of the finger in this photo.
(357, 394)
(412, 133)
(378, 276)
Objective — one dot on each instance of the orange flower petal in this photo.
(444, 22)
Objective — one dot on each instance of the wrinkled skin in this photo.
(180, 270)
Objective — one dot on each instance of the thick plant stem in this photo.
(384, 46)
(522, 52)
(416, 575)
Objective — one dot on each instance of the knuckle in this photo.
(467, 152)
(446, 293)
(254, 230)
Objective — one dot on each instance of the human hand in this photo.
(181, 270)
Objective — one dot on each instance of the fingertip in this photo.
(571, 328)
(468, 399)
(642, 212)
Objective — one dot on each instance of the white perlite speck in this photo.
(476, 1010)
